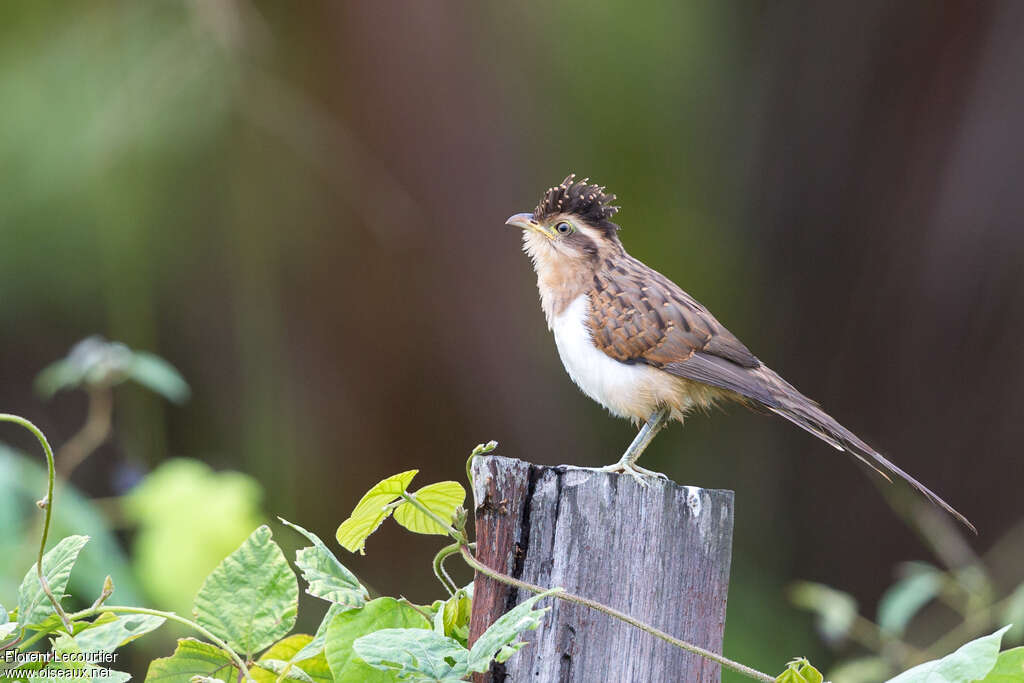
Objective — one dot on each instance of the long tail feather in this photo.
(804, 413)
(761, 386)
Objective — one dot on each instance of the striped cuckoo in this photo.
(642, 347)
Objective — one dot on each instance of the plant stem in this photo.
(469, 475)
(481, 449)
(47, 505)
(439, 570)
(459, 537)
(92, 434)
(108, 590)
(569, 597)
(171, 616)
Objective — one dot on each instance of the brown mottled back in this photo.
(639, 315)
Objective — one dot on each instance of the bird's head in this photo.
(571, 225)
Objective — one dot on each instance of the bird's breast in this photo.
(631, 390)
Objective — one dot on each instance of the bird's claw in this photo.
(638, 473)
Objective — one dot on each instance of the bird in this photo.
(636, 343)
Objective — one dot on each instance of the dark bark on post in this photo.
(660, 554)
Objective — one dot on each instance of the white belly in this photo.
(626, 390)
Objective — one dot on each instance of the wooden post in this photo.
(660, 554)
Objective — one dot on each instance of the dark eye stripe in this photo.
(586, 245)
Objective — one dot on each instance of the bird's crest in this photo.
(579, 198)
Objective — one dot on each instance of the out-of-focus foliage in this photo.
(22, 483)
(893, 638)
(97, 363)
(836, 610)
(202, 514)
(920, 583)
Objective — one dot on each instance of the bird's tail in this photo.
(805, 413)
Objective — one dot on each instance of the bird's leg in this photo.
(627, 463)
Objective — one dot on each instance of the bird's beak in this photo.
(524, 221)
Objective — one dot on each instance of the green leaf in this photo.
(109, 631)
(835, 609)
(442, 498)
(1009, 667)
(503, 632)
(372, 509)
(283, 655)
(33, 604)
(414, 654)
(316, 645)
(159, 376)
(251, 598)
(907, 596)
(799, 671)
(283, 670)
(192, 658)
(453, 615)
(328, 578)
(810, 674)
(348, 626)
(969, 663)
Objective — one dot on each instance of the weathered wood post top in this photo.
(659, 553)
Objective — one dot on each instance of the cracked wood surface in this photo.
(660, 554)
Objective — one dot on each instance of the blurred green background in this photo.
(300, 206)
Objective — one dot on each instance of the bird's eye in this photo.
(563, 228)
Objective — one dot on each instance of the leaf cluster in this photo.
(247, 607)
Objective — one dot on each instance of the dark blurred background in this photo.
(300, 206)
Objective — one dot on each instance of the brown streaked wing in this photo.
(637, 314)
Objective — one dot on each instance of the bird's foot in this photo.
(639, 474)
